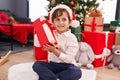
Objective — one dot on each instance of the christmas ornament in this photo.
(72, 3)
(53, 1)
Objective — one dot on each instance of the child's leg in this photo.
(72, 73)
(44, 71)
(66, 71)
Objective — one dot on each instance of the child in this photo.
(61, 63)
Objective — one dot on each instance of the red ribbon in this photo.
(38, 24)
(50, 26)
(93, 25)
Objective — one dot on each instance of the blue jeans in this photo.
(52, 71)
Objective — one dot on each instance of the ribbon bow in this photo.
(106, 52)
(93, 25)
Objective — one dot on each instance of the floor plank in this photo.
(103, 73)
(26, 56)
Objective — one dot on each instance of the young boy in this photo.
(61, 63)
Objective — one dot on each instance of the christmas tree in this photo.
(80, 7)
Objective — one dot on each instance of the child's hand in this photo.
(49, 47)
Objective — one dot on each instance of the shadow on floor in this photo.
(5, 46)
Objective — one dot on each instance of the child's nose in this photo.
(61, 21)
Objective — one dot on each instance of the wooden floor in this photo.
(102, 72)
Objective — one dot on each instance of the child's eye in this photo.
(64, 19)
(57, 19)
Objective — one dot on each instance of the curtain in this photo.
(118, 10)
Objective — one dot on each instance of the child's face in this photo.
(62, 23)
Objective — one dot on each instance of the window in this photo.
(108, 8)
(37, 8)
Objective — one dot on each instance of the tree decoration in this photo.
(53, 2)
(80, 7)
(72, 3)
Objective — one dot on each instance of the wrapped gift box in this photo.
(98, 41)
(76, 32)
(106, 27)
(43, 34)
(94, 24)
(117, 38)
(114, 25)
(39, 53)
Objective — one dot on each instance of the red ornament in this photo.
(72, 3)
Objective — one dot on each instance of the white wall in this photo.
(37, 8)
(108, 8)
